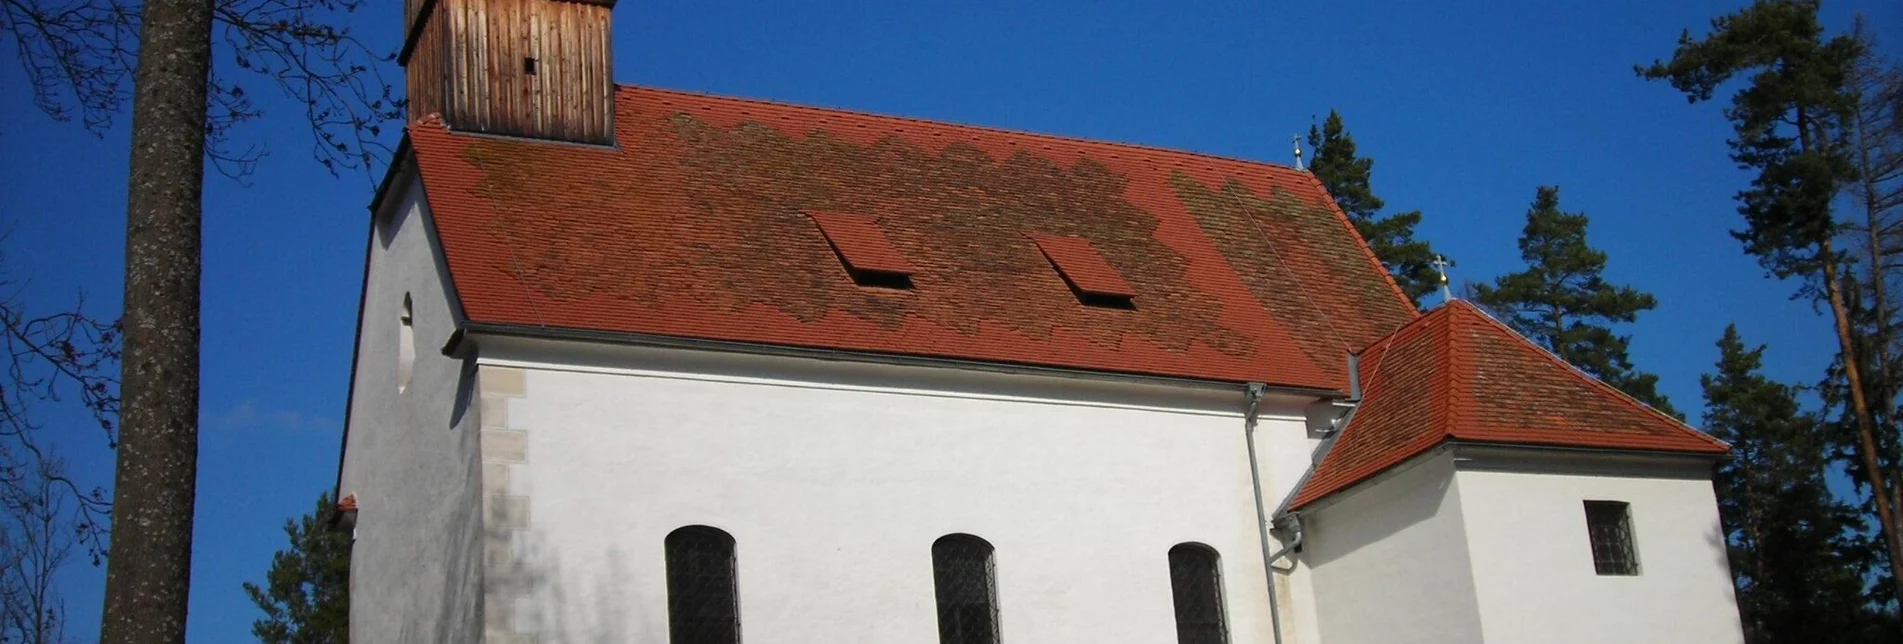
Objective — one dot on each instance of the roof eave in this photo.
(400, 163)
(1497, 456)
(470, 333)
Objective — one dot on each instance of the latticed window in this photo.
(1196, 582)
(702, 602)
(966, 579)
(1609, 524)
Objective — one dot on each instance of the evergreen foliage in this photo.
(1563, 302)
(1794, 123)
(1347, 178)
(306, 596)
(1795, 554)
(1785, 122)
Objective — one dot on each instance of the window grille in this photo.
(1609, 525)
(702, 600)
(966, 582)
(1196, 582)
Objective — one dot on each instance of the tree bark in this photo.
(1880, 493)
(148, 575)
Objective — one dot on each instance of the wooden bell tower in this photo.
(534, 68)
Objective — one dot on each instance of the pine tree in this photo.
(306, 596)
(1840, 429)
(1347, 179)
(1562, 302)
(1790, 123)
(1792, 544)
(1873, 240)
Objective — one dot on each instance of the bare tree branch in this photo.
(78, 56)
(36, 539)
(53, 359)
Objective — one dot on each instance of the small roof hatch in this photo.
(863, 248)
(1091, 278)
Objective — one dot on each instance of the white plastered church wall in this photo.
(1533, 563)
(1389, 559)
(411, 454)
(835, 481)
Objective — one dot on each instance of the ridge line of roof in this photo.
(619, 87)
(1366, 248)
(1396, 333)
(1440, 335)
(1589, 378)
(1304, 494)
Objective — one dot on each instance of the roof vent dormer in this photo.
(1088, 275)
(864, 250)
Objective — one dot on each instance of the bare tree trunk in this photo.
(1880, 494)
(148, 575)
(1877, 139)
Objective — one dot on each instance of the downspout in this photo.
(1292, 520)
(1269, 557)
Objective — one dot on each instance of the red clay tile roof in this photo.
(1080, 265)
(860, 243)
(694, 226)
(1458, 374)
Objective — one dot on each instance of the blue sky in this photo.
(1465, 108)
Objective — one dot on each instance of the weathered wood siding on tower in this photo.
(534, 68)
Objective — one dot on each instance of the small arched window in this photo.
(966, 581)
(703, 604)
(1196, 583)
(405, 346)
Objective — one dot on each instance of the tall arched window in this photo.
(702, 602)
(1196, 583)
(966, 581)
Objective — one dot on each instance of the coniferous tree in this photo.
(1564, 303)
(1347, 178)
(1790, 124)
(1874, 229)
(1792, 545)
(1840, 430)
(306, 596)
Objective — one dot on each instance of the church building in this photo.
(650, 366)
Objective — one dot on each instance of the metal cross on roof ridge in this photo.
(1440, 264)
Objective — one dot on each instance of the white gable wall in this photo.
(1533, 565)
(836, 478)
(1389, 559)
(410, 457)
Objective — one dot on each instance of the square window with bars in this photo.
(1609, 526)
